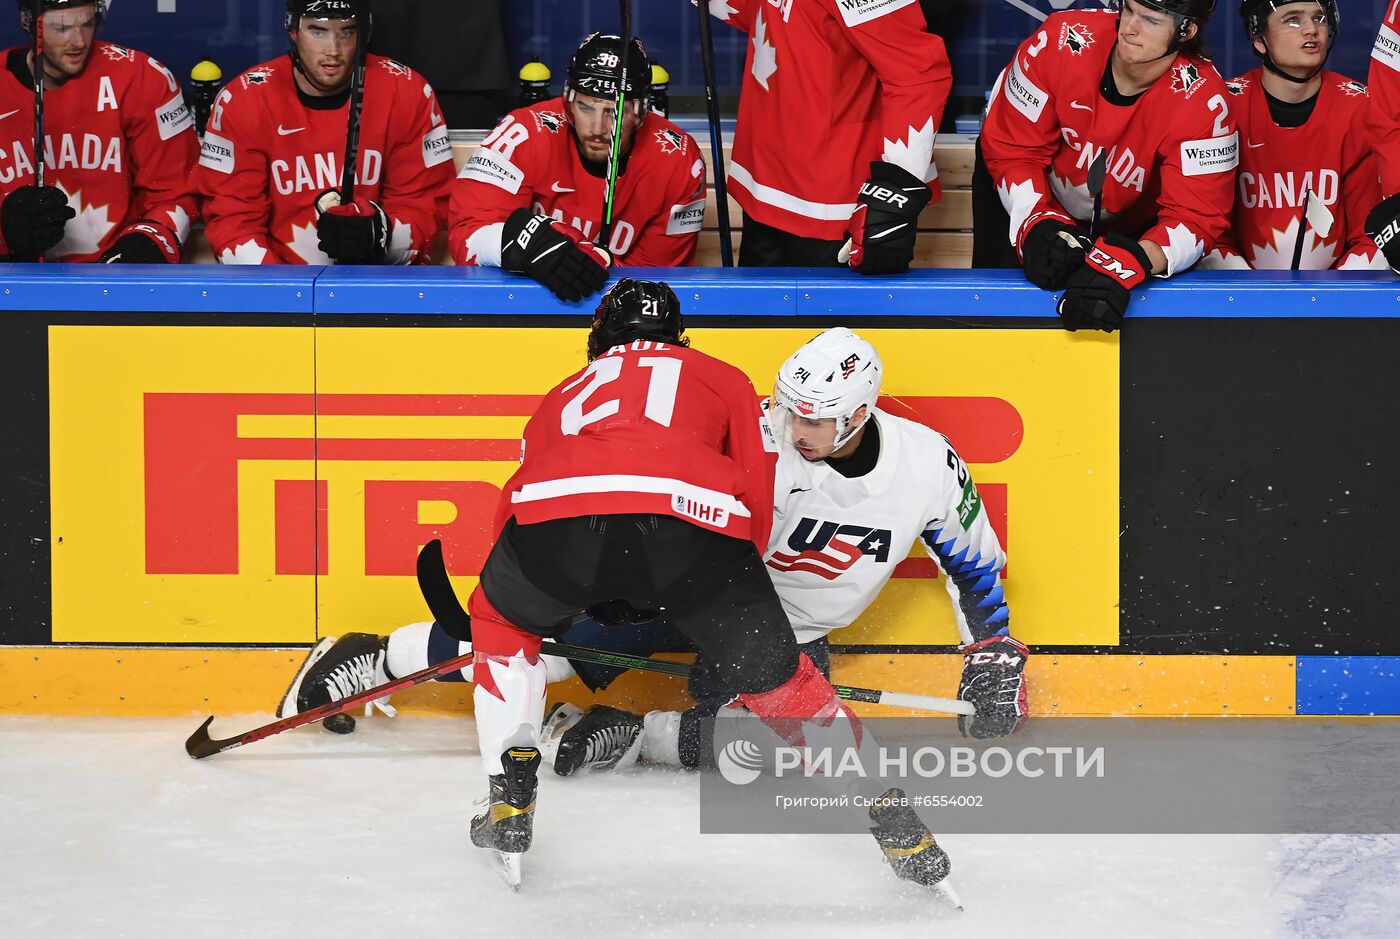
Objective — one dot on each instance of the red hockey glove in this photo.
(1382, 227)
(994, 680)
(357, 233)
(553, 253)
(1051, 247)
(32, 220)
(144, 242)
(1098, 293)
(886, 220)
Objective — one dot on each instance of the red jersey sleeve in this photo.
(669, 237)
(1383, 114)
(491, 186)
(163, 147)
(1361, 190)
(233, 176)
(1198, 177)
(915, 78)
(753, 446)
(1020, 136)
(418, 171)
(737, 13)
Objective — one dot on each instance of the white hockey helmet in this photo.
(833, 375)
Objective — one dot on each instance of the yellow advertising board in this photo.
(273, 484)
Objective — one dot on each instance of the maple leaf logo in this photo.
(765, 57)
(721, 10)
(550, 121)
(1075, 38)
(1182, 248)
(83, 234)
(1075, 197)
(118, 53)
(306, 244)
(669, 140)
(1276, 254)
(1236, 86)
(1185, 77)
(397, 69)
(1352, 88)
(257, 76)
(914, 153)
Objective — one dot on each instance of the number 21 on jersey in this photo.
(664, 374)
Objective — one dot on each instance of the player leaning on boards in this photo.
(832, 87)
(1128, 87)
(119, 146)
(855, 487)
(1304, 151)
(645, 477)
(271, 169)
(530, 198)
(1383, 122)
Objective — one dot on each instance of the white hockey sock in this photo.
(408, 650)
(661, 738)
(508, 713)
(560, 668)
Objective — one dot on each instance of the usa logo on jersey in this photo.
(829, 549)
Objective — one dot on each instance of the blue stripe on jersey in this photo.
(980, 595)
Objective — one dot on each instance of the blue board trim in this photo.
(140, 288)
(1341, 684)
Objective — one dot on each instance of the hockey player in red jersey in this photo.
(866, 83)
(270, 168)
(1303, 148)
(530, 200)
(1383, 123)
(120, 146)
(1131, 87)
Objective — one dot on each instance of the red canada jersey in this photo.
(531, 160)
(119, 142)
(829, 87)
(1172, 150)
(1328, 156)
(269, 152)
(650, 428)
(1383, 114)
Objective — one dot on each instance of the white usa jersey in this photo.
(836, 541)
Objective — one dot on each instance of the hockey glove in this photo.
(1098, 293)
(553, 253)
(1052, 249)
(1383, 227)
(994, 680)
(144, 242)
(886, 219)
(357, 233)
(32, 220)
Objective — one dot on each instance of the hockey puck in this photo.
(339, 724)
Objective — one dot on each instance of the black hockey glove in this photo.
(994, 680)
(144, 242)
(1383, 227)
(32, 220)
(357, 233)
(1052, 249)
(886, 220)
(553, 253)
(1098, 293)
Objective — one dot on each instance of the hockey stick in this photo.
(447, 610)
(1097, 170)
(352, 123)
(707, 60)
(39, 95)
(615, 148)
(1302, 232)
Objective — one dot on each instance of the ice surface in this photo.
(109, 829)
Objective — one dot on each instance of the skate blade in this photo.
(560, 720)
(288, 705)
(944, 891)
(509, 867)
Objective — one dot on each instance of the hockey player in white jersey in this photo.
(855, 486)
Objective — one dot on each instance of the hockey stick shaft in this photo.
(442, 600)
(707, 61)
(1097, 171)
(1302, 233)
(352, 122)
(615, 147)
(39, 94)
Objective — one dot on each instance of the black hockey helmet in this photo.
(1255, 14)
(633, 310)
(357, 10)
(26, 10)
(593, 69)
(1185, 11)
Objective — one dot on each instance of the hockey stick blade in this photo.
(437, 591)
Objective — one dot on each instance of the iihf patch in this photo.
(1075, 38)
(1185, 78)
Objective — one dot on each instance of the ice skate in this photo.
(909, 846)
(507, 822)
(604, 738)
(557, 722)
(335, 669)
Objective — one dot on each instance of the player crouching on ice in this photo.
(630, 531)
